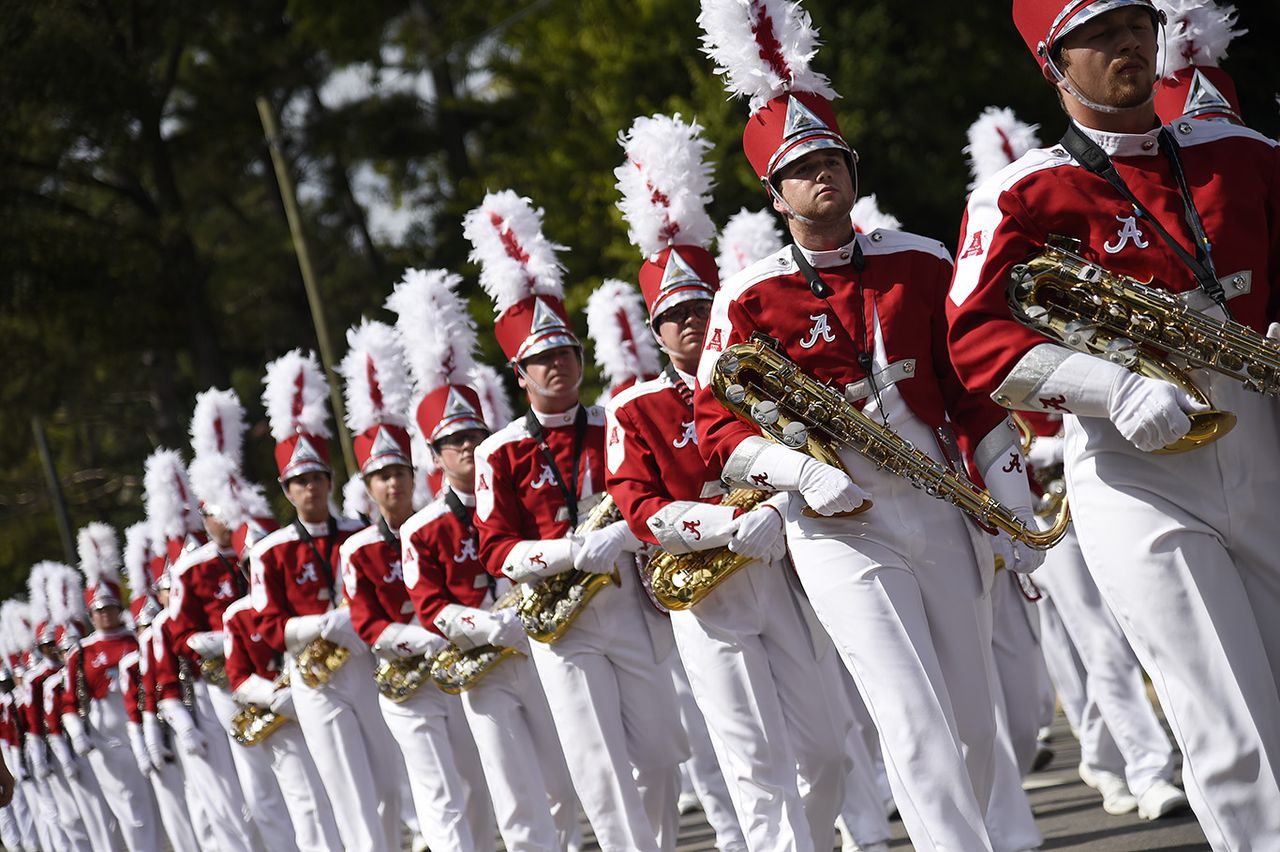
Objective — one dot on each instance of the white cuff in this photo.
(209, 645)
(685, 526)
(72, 724)
(256, 690)
(300, 630)
(1006, 480)
(466, 627)
(177, 715)
(1081, 385)
(535, 560)
(758, 463)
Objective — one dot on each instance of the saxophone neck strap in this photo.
(579, 440)
(1090, 156)
(326, 561)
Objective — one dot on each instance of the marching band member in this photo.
(1179, 545)
(181, 696)
(899, 588)
(607, 679)
(744, 638)
(17, 821)
(532, 793)
(102, 736)
(294, 585)
(445, 777)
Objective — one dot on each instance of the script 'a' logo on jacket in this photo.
(224, 590)
(307, 574)
(469, 551)
(821, 330)
(687, 437)
(547, 477)
(1127, 233)
(394, 574)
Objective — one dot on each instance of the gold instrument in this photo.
(455, 670)
(552, 605)
(214, 671)
(253, 724)
(679, 582)
(1052, 479)
(320, 659)
(761, 387)
(1139, 327)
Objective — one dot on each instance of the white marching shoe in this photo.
(1116, 798)
(1161, 799)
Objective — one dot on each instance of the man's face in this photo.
(557, 371)
(457, 454)
(1112, 59)
(818, 186)
(105, 618)
(682, 328)
(309, 494)
(392, 489)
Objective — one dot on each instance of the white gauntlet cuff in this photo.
(535, 560)
(684, 526)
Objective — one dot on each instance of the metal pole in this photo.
(271, 128)
(55, 491)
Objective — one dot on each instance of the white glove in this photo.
(1046, 451)
(1016, 555)
(282, 703)
(406, 640)
(37, 757)
(138, 742)
(757, 533)
(508, 630)
(828, 491)
(1273, 331)
(79, 737)
(599, 549)
(153, 736)
(337, 628)
(62, 751)
(255, 690)
(189, 738)
(301, 630)
(208, 645)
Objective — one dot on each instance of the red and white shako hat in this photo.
(996, 139)
(748, 236)
(137, 558)
(67, 604)
(43, 628)
(623, 348)
(666, 185)
(376, 382)
(1198, 34)
(439, 340)
(99, 553)
(520, 272)
(172, 513)
(763, 49)
(1043, 23)
(217, 439)
(296, 398)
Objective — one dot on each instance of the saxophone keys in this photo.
(795, 435)
(765, 412)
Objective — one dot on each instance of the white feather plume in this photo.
(167, 495)
(357, 503)
(616, 312)
(99, 553)
(296, 404)
(38, 590)
(137, 552)
(374, 377)
(867, 216)
(747, 237)
(665, 183)
(217, 424)
(495, 404)
(225, 491)
(1198, 32)
(762, 48)
(997, 139)
(516, 260)
(15, 627)
(424, 466)
(435, 328)
(66, 595)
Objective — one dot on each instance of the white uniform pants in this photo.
(615, 709)
(122, 784)
(309, 811)
(1010, 822)
(175, 815)
(445, 777)
(17, 830)
(524, 767)
(1066, 672)
(900, 593)
(262, 794)
(704, 778)
(352, 748)
(1183, 549)
(1020, 666)
(754, 669)
(44, 810)
(866, 788)
(99, 822)
(74, 832)
(213, 774)
(1122, 717)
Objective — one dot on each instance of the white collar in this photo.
(834, 257)
(1124, 144)
(463, 497)
(551, 421)
(315, 530)
(684, 377)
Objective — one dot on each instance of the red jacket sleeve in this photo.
(130, 678)
(239, 664)
(367, 615)
(633, 477)
(186, 613)
(266, 579)
(498, 512)
(430, 590)
(719, 432)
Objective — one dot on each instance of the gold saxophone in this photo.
(320, 659)
(455, 671)
(761, 387)
(679, 582)
(1139, 327)
(214, 671)
(253, 724)
(552, 605)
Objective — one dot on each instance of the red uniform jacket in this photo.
(441, 559)
(652, 454)
(164, 663)
(33, 707)
(131, 683)
(205, 582)
(247, 652)
(904, 278)
(56, 689)
(516, 496)
(1234, 175)
(373, 582)
(286, 579)
(99, 657)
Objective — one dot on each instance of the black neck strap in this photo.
(326, 562)
(238, 580)
(460, 511)
(1088, 154)
(579, 440)
(384, 530)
